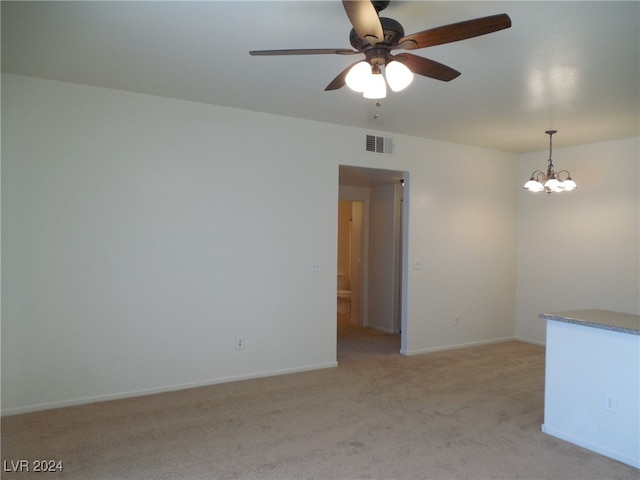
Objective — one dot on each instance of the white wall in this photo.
(581, 249)
(463, 207)
(142, 235)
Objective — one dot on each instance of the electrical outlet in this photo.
(417, 264)
(456, 321)
(610, 402)
(316, 267)
(239, 343)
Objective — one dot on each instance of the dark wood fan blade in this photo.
(456, 32)
(428, 68)
(304, 51)
(339, 81)
(364, 18)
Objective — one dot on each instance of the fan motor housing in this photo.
(380, 4)
(393, 32)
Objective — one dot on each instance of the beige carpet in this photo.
(473, 413)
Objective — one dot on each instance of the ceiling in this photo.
(565, 65)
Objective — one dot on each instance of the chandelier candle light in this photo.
(550, 182)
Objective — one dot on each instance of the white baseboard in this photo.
(602, 450)
(163, 389)
(533, 342)
(382, 329)
(456, 346)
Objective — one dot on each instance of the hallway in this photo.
(355, 341)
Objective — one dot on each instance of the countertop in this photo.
(605, 319)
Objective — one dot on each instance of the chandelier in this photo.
(551, 181)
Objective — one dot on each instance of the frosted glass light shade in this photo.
(552, 183)
(376, 87)
(398, 76)
(358, 77)
(569, 184)
(534, 186)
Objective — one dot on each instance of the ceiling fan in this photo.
(376, 37)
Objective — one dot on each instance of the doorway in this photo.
(372, 202)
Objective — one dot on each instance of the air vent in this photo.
(379, 144)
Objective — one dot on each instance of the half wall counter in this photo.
(592, 381)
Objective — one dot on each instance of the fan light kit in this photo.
(550, 182)
(362, 78)
(376, 37)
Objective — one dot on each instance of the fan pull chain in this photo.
(376, 114)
